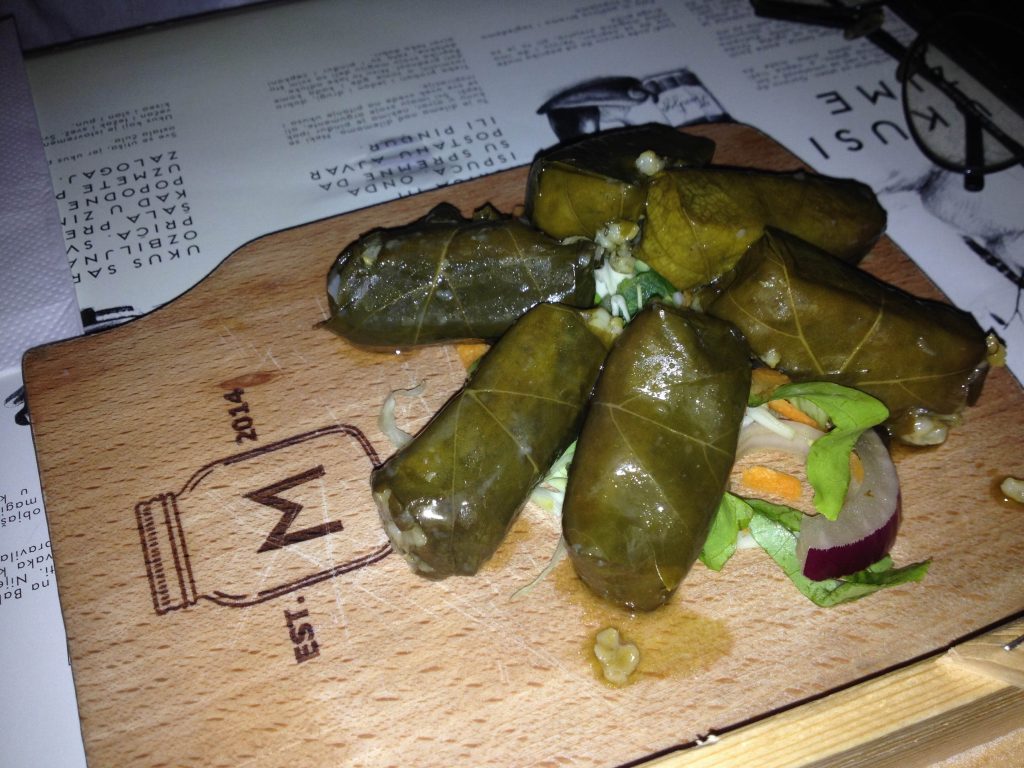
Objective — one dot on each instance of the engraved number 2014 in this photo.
(241, 421)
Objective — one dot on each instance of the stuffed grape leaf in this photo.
(575, 189)
(448, 498)
(699, 221)
(654, 455)
(817, 318)
(446, 278)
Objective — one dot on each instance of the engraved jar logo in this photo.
(259, 524)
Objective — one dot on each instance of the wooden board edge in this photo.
(811, 730)
(927, 711)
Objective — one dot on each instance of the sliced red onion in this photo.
(865, 529)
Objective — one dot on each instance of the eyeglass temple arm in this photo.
(855, 20)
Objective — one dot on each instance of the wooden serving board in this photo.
(171, 447)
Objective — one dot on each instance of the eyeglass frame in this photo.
(865, 20)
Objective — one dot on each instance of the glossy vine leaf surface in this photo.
(446, 278)
(577, 188)
(448, 498)
(699, 221)
(816, 318)
(654, 455)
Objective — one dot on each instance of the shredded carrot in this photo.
(470, 352)
(787, 410)
(770, 481)
(856, 468)
(764, 380)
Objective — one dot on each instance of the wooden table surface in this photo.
(169, 448)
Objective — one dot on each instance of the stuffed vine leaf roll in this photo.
(815, 317)
(654, 455)
(448, 498)
(576, 189)
(445, 278)
(699, 221)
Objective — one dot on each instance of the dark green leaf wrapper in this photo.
(575, 189)
(654, 455)
(826, 320)
(448, 498)
(447, 278)
(699, 221)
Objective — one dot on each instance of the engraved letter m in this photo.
(281, 536)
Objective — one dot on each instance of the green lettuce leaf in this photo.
(732, 516)
(775, 528)
(828, 463)
(642, 287)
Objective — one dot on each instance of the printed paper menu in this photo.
(165, 167)
(170, 149)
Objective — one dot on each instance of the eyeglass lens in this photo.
(962, 99)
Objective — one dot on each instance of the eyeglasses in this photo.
(963, 100)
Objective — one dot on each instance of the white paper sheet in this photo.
(37, 300)
(37, 305)
(37, 698)
(189, 145)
